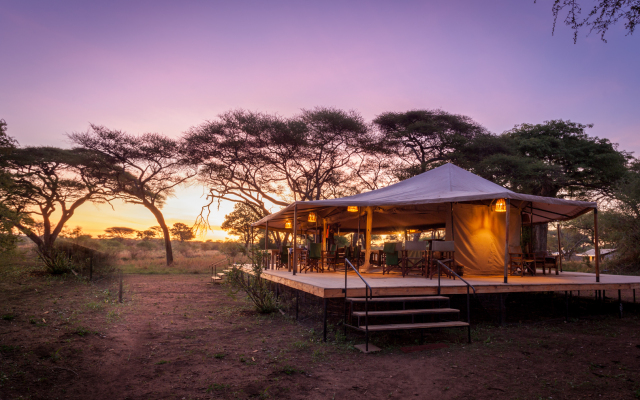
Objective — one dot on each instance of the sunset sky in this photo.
(155, 66)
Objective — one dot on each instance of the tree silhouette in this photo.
(143, 169)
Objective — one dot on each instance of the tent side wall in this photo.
(479, 235)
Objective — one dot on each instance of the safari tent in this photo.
(473, 211)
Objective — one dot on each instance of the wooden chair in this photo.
(539, 259)
(391, 258)
(520, 263)
(551, 262)
(358, 257)
(445, 252)
(314, 258)
(331, 257)
(414, 257)
(282, 258)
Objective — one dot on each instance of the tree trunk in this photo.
(165, 230)
(540, 237)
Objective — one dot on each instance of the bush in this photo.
(66, 257)
(256, 288)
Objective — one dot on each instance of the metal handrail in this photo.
(453, 272)
(367, 294)
(440, 263)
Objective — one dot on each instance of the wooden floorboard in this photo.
(422, 325)
(398, 299)
(407, 312)
(331, 284)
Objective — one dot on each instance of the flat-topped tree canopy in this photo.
(423, 202)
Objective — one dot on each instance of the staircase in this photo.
(447, 317)
(439, 310)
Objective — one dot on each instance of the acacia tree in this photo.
(423, 139)
(8, 239)
(238, 223)
(143, 169)
(44, 181)
(553, 159)
(262, 160)
(120, 232)
(182, 232)
(600, 17)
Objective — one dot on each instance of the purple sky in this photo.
(166, 66)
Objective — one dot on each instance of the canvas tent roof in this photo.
(420, 201)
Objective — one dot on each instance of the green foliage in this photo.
(556, 158)
(253, 285)
(423, 139)
(67, 256)
(182, 232)
(238, 223)
(119, 232)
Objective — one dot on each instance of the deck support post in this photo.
(566, 306)
(500, 315)
(295, 238)
(324, 328)
(468, 316)
(595, 243)
(506, 243)
(297, 301)
(634, 296)
(620, 302)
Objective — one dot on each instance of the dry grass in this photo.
(154, 263)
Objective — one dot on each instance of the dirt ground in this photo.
(176, 337)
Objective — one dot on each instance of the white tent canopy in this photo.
(422, 201)
(447, 197)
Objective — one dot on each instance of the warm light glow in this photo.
(412, 231)
(287, 225)
(500, 205)
(312, 217)
(352, 208)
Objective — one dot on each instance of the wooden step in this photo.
(407, 312)
(398, 299)
(422, 325)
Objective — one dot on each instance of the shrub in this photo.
(256, 288)
(66, 257)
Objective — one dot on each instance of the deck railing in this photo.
(441, 264)
(368, 293)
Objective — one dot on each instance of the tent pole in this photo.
(531, 228)
(595, 242)
(367, 240)
(559, 249)
(295, 238)
(266, 244)
(453, 239)
(506, 243)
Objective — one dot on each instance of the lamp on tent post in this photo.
(313, 217)
(499, 205)
(287, 225)
(352, 208)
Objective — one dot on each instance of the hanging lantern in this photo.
(287, 225)
(499, 205)
(412, 231)
(312, 217)
(352, 208)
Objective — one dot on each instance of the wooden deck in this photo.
(331, 284)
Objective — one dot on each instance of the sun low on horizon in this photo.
(184, 206)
